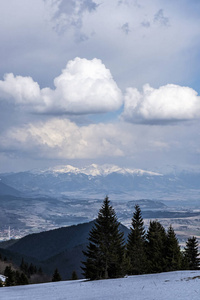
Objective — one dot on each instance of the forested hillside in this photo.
(60, 248)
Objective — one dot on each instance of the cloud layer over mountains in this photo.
(104, 81)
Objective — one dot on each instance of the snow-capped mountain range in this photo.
(67, 195)
(96, 180)
(97, 170)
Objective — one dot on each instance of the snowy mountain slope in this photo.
(181, 285)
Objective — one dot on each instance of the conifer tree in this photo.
(40, 272)
(23, 279)
(155, 247)
(17, 278)
(31, 269)
(136, 244)
(10, 276)
(192, 254)
(22, 264)
(173, 253)
(56, 276)
(105, 252)
(74, 276)
(24, 267)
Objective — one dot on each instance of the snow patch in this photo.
(2, 278)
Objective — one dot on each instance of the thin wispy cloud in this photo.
(65, 14)
(160, 18)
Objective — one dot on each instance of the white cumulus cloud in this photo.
(23, 90)
(84, 87)
(167, 103)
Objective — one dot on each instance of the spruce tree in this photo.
(24, 267)
(23, 279)
(17, 278)
(173, 253)
(40, 272)
(56, 276)
(192, 254)
(105, 251)
(31, 269)
(136, 244)
(10, 276)
(74, 276)
(156, 247)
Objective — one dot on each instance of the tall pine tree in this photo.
(10, 276)
(56, 276)
(155, 247)
(173, 252)
(192, 254)
(136, 244)
(105, 251)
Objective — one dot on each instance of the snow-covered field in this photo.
(169, 286)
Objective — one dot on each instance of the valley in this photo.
(42, 200)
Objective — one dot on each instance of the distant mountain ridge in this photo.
(95, 181)
(97, 170)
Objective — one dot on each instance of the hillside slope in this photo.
(182, 285)
(59, 248)
(8, 190)
(49, 243)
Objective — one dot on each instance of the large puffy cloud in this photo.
(167, 103)
(85, 86)
(21, 90)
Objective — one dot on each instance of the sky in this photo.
(95, 81)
